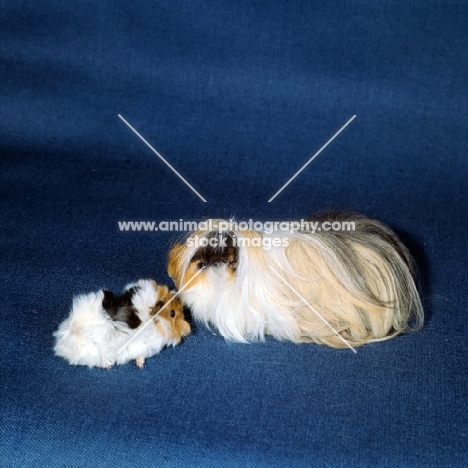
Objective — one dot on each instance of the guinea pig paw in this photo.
(140, 362)
(106, 364)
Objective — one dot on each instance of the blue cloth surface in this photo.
(237, 96)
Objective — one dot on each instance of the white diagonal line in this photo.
(160, 310)
(159, 155)
(312, 309)
(312, 158)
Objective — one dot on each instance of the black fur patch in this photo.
(223, 249)
(366, 226)
(120, 308)
(187, 314)
(159, 305)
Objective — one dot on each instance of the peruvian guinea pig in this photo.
(343, 287)
(103, 329)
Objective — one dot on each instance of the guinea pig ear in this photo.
(181, 325)
(175, 262)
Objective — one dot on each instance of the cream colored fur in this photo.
(361, 283)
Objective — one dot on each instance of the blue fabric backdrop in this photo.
(237, 96)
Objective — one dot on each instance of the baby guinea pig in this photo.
(103, 329)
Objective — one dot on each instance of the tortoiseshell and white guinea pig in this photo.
(103, 329)
(337, 288)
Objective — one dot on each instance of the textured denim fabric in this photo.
(237, 96)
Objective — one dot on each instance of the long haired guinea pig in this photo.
(103, 329)
(337, 288)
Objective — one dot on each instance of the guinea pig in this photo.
(341, 287)
(103, 329)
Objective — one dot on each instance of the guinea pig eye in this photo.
(172, 313)
(201, 265)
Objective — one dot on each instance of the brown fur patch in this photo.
(172, 314)
(224, 250)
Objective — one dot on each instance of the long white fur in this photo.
(91, 338)
(361, 283)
